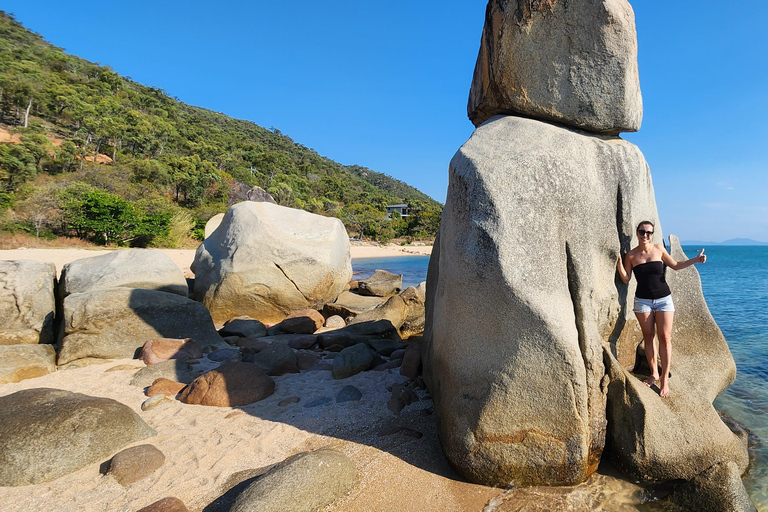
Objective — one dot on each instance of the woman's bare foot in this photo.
(650, 381)
(664, 392)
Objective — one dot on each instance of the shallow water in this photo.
(735, 284)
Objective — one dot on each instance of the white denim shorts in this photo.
(653, 305)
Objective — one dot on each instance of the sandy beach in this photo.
(184, 257)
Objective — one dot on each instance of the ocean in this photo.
(735, 284)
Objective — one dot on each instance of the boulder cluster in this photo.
(275, 298)
(542, 199)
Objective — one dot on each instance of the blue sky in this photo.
(385, 85)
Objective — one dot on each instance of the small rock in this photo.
(278, 358)
(305, 321)
(162, 349)
(381, 284)
(303, 341)
(154, 401)
(173, 369)
(166, 387)
(389, 365)
(229, 385)
(397, 354)
(288, 401)
(135, 463)
(275, 330)
(245, 327)
(411, 366)
(349, 394)
(306, 360)
(401, 396)
(351, 361)
(335, 322)
(169, 504)
(232, 340)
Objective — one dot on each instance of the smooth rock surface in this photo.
(351, 361)
(393, 310)
(176, 370)
(170, 504)
(303, 483)
(526, 255)
(21, 362)
(163, 349)
(381, 284)
(573, 63)
(27, 302)
(116, 322)
(229, 385)
(48, 433)
(265, 261)
(244, 327)
(277, 359)
(135, 463)
(147, 269)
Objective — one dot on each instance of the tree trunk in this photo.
(26, 114)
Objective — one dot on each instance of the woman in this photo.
(653, 300)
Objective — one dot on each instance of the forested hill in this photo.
(86, 152)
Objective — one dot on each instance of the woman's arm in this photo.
(679, 265)
(624, 268)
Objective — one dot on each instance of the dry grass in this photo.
(17, 240)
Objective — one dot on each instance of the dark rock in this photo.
(401, 397)
(351, 361)
(306, 360)
(223, 355)
(135, 463)
(229, 385)
(305, 321)
(716, 489)
(48, 433)
(245, 327)
(411, 366)
(348, 394)
(276, 358)
(289, 401)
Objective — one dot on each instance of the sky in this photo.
(385, 85)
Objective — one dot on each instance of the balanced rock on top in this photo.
(265, 261)
(573, 63)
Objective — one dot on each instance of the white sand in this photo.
(205, 446)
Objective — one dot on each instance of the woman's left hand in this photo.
(701, 258)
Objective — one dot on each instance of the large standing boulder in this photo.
(47, 433)
(682, 436)
(20, 362)
(26, 302)
(116, 322)
(148, 269)
(526, 255)
(265, 261)
(573, 63)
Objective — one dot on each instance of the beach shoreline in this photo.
(183, 257)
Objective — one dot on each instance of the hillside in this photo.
(86, 152)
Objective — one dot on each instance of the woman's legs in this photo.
(664, 321)
(648, 326)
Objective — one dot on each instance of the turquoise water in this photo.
(735, 284)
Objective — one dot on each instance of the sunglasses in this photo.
(643, 232)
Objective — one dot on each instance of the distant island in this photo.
(732, 241)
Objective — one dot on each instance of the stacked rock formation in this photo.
(541, 200)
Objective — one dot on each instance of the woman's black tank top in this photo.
(650, 280)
